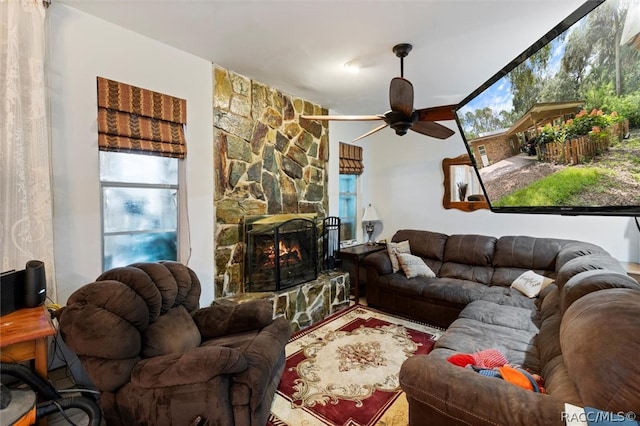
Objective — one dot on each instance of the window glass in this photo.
(137, 168)
(140, 208)
(124, 249)
(348, 206)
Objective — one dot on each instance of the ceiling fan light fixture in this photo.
(401, 127)
(352, 67)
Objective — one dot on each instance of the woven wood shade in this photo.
(131, 119)
(351, 159)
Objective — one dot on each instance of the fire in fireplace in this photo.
(281, 251)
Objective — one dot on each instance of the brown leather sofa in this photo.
(579, 334)
(159, 360)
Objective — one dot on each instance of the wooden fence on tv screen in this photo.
(584, 148)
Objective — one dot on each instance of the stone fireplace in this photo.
(268, 161)
(281, 252)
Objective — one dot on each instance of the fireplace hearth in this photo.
(281, 251)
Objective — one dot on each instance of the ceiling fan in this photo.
(402, 117)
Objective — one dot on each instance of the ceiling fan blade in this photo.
(401, 96)
(439, 113)
(377, 129)
(432, 129)
(343, 117)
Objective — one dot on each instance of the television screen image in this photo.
(557, 130)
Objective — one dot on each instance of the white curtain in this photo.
(26, 222)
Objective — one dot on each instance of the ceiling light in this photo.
(353, 67)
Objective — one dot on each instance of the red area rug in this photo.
(344, 370)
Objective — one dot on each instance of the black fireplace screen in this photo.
(279, 256)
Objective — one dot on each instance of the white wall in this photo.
(406, 186)
(83, 47)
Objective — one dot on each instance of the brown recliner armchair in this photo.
(159, 360)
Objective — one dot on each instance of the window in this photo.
(140, 208)
(348, 199)
(351, 167)
(141, 140)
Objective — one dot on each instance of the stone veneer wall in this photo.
(308, 303)
(267, 160)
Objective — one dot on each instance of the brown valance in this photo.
(131, 119)
(351, 159)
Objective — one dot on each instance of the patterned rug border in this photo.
(298, 334)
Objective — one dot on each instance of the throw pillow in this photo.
(530, 284)
(393, 249)
(414, 266)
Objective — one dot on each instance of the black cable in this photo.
(637, 224)
(61, 410)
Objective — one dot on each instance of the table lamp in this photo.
(370, 216)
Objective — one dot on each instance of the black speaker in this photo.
(35, 284)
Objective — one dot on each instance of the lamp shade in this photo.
(370, 214)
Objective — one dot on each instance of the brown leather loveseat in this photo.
(579, 334)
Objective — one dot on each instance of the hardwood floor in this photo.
(63, 380)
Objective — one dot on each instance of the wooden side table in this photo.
(355, 254)
(23, 337)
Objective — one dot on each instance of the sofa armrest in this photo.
(263, 355)
(589, 281)
(221, 319)
(380, 261)
(448, 394)
(195, 366)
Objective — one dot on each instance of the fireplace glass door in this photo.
(280, 256)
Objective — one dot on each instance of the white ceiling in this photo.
(300, 46)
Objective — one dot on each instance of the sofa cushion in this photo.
(225, 317)
(414, 266)
(399, 284)
(590, 281)
(475, 250)
(140, 283)
(466, 335)
(173, 332)
(527, 252)
(602, 355)
(549, 316)
(589, 262)
(508, 297)
(452, 291)
(480, 274)
(576, 249)
(425, 244)
(468, 257)
(506, 316)
(557, 382)
(104, 319)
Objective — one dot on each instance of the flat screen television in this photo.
(557, 130)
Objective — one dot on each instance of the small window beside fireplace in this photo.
(281, 251)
